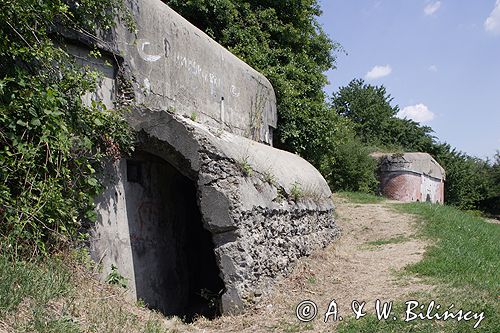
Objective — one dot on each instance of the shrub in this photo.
(468, 180)
(51, 144)
(351, 168)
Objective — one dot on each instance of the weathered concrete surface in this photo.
(263, 213)
(204, 121)
(177, 66)
(411, 177)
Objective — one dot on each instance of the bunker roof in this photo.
(420, 163)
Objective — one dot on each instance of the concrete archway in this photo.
(173, 258)
(257, 228)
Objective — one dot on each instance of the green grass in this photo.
(358, 197)
(394, 240)
(464, 263)
(33, 285)
(466, 250)
(40, 282)
(44, 295)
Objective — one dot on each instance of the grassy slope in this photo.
(464, 262)
(32, 285)
(61, 295)
(467, 252)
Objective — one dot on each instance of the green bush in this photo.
(51, 144)
(351, 168)
(468, 179)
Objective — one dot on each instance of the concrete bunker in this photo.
(410, 177)
(258, 228)
(205, 172)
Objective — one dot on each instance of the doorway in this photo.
(174, 264)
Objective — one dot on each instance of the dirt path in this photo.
(376, 242)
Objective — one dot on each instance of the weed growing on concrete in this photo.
(281, 195)
(245, 167)
(219, 132)
(114, 277)
(193, 116)
(269, 178)
(313, 193)
(296, 191)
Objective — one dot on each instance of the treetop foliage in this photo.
(370, 108)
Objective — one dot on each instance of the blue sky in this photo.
(440, 60)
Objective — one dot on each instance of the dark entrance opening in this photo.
(175, 269)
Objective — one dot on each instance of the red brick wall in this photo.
(401, 186)
(409, 187)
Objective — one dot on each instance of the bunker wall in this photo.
(204, 121)
(176, 66)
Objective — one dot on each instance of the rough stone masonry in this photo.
(206, 214)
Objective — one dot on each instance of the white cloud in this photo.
(432, 8)
(492, 23)
(419, 112)
(433, 68)
(377, 72)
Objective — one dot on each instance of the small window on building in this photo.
(133, 171)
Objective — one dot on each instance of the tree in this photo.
(369, 107)
(350, 168)
(468, 181)
(492, 203)
(376, 124)
(409, 134)
(495, 174)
